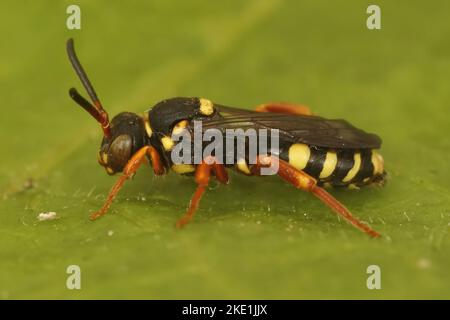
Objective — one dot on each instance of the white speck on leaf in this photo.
(44, 216)
(110, 232)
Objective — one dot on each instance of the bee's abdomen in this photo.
(342, 167)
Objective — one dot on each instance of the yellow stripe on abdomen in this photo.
(377, 162)
(299, 154)
(354, 170)
(329, 165)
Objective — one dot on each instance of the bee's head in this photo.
(123, 136)
(127, 136)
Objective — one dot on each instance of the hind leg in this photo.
(305, 182)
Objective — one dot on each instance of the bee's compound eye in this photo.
(119, 152)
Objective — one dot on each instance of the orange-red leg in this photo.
(283, 107)
(202, 175)
(305, 182)
(130, 169)
(158, 167)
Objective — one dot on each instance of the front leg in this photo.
(202, 175)
(130, 169)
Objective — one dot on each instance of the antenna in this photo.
(96, 110)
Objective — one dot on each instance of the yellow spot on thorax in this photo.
(148, 127)
(167, 143)
(206, 107)
(329, 165)
(299, 154)
(354, 170)
(179, 127)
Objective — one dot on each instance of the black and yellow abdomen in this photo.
(339, 167)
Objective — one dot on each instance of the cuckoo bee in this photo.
(313, 152)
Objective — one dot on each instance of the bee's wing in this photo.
(311, 130)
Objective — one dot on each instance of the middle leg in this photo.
(202, 175)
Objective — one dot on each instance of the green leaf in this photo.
(257, 237)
